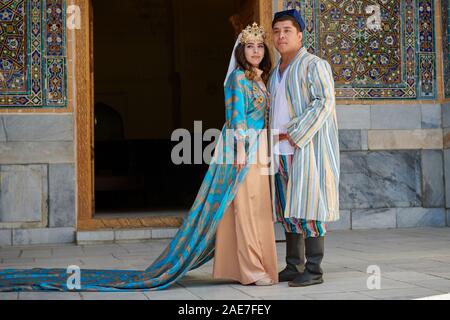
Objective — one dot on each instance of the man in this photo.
(306, 159)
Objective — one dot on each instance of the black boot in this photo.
(295, 257)
(314, 250)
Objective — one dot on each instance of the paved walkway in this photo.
(414, 263)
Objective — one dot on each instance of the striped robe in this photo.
(313, 188)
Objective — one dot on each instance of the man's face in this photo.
(286, 37)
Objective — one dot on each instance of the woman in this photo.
(245, 240)
(231, 218)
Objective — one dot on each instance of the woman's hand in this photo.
(241, 158)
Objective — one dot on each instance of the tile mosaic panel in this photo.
(378, 49)
(32, 53)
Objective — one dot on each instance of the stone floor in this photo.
(414, 263)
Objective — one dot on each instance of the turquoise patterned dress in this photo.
(194, 242)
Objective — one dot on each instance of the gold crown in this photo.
(253, 33)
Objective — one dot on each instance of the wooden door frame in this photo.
(84, 80)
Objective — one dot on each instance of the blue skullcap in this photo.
(294, 14)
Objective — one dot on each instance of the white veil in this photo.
(233, 63)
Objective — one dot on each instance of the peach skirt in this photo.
(245, 248)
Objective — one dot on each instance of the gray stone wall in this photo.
(395, 171)
(392, 167)
(37, 179)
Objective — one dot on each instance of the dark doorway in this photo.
(158, 66)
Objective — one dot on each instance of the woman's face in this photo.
(254, 53)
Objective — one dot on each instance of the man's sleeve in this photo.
(303, 128)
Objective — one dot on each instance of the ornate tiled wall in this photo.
(393, 157)
(37, 160)
(445, 5)
(33, 53)
(381, 49)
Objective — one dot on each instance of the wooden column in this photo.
(265, 13)
(84, 112)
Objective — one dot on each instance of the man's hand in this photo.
(285, 136)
